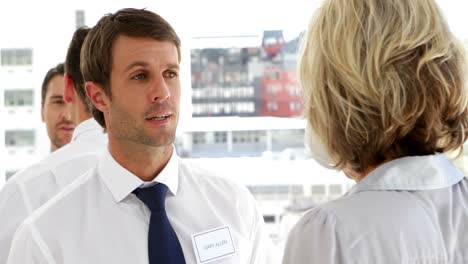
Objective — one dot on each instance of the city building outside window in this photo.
(19, 98)
(20, 138)
(16, 57)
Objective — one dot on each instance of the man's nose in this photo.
(159, 91)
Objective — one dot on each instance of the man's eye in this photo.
(170, 74)
(58, 102)
(139, 76)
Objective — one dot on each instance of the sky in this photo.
(201, 17)
(24, 22)
(195, 18)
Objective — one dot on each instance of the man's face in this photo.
(145, 87)
(55, 115)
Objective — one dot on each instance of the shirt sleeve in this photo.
(27, 247)
(316, 238)
(13, 211)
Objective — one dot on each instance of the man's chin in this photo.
(158, 142)
(62, 142)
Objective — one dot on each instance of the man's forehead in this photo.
(54, 96)
(55, 86)
(143, 44)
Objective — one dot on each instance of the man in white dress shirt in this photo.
(33, 186)
(130, 62)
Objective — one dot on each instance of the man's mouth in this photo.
(67, 127)
(159, 117)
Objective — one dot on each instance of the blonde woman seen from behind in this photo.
(385, 96)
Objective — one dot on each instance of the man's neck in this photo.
(80, 113)
(83, 118)
(144, 161)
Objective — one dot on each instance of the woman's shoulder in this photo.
(362, 224)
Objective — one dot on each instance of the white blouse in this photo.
(410, 210)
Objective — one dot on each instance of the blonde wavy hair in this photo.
(383, 79)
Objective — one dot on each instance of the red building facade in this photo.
(281, 95)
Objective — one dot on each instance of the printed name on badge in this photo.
(213, 245)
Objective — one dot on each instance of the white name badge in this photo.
(213, 245)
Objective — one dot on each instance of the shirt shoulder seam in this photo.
(41, 244)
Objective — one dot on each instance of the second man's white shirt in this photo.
(97, 219)
(32, 187)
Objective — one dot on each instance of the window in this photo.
(18, 98)
(20, 138)
(13, 57)
(79, 18)
(272, 75)
(318, 189)
(294, 106)
(271, 41)
(279, 192)
(273, 88)
(199, 138)
(197, 109)
(272, 106)
(220, 137)
(336, 189)
(296, 190)
(196, 93)
(294, 90)
(248, 137)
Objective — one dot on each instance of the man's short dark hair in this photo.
(57, 70)
(72, 64)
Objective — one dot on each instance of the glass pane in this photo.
(19, 138)
(318, 189)
(13, 57)
(15, 98)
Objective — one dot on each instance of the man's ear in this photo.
(97, 96)
(42, 114)
(69, 89)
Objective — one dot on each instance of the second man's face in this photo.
(55, 115)
(145, 88)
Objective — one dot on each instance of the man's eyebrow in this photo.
(56, 96)
(173, 66)
(145, 64)
(135, 64)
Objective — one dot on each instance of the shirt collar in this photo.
(85, 126)
(122, 182)
(411, 174)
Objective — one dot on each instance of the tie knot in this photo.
(154, 197)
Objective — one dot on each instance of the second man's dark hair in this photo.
(72, 64)
(57, 70)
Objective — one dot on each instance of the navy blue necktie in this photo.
(163, 244)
